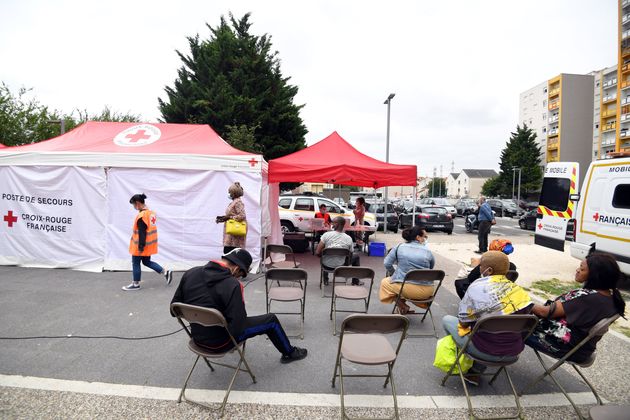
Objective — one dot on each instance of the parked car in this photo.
(503, 207)
(392, 216)
(429, 217)
(442, 202)
(465, 206)
(528, 220)
(297, 210)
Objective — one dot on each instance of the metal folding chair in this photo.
(291, 287)
(208, 317)
(596, 332)
(350, 292)
(436, 276)
(285, 250)
(341, 252)
(362, 341)
(521, 325)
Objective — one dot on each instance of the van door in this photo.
(555, 208)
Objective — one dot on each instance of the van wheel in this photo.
(286, 226)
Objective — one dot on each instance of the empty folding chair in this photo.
(433, 276)
(596, 333)
(208, 317)
(521, 326)
(290, 287)
(362, 341)
(347, 292)
(344, 253)
(285, 250)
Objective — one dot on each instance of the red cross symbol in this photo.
(252, 162)
(596, 216)
(539, 226)
(10, 218)
(153, 219)
(137, 136)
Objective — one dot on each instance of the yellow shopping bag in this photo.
(445, 352)
(235, 228)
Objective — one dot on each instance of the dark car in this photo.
(528, 220)
(392, 216)
(504, 207)
(430, 218)
(465, 206)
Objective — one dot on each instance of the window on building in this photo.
(544, 130)
(545, 90)
(621, 196)
(597, 125)
(597, 84)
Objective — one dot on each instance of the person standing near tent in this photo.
(144, 243)
(359, 215)
(235, 211)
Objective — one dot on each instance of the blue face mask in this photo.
(426, 241)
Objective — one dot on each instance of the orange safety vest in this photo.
(151, 245)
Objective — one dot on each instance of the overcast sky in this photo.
(456, 67)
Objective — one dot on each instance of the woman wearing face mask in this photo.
(411, 255)
(567, 319)
(492, 294)
(236, 211)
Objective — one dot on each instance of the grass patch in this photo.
(554, 287)
(623, 330)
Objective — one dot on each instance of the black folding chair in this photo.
(291, 287)
(435, 276)
(519, 325)
(208, 317)
(362, 341)
(350, 292)
(595, 333)
(340, 252)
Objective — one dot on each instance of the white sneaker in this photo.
(131, 287)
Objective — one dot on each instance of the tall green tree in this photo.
(521, 151)
(23, 120)
(436, 188)
(232, 81)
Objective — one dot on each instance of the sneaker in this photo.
(473, 379)
(169, 277)
(478, 252)
(296, 354)
(131, 287)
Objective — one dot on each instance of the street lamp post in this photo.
(387, 102)
(514, 169)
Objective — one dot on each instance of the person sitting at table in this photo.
(503, 245)
(411, 255)
(337, 239)
(322, 214)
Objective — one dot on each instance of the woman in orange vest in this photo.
(144, 243)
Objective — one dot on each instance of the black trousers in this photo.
(484, 231)
(355, 262)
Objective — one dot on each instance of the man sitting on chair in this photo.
(216, 286)
(337, 239)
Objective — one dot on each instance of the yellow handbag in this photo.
(235, 228)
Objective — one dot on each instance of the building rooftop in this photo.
(480, 173)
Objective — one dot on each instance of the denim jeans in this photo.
(135, 264)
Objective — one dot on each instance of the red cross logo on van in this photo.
(596, 216)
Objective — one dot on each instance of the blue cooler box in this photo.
(376, 249)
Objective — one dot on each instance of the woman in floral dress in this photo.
(236, 211)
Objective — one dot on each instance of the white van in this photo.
(599, 211)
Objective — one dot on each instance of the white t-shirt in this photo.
(334, 239)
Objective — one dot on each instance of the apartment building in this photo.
(533, 113)
(604, 112)
(622, 106)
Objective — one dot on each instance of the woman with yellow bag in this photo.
(235, 229)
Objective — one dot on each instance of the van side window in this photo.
(285, 203)
(621, 197)
(304, 204)
(555, 193)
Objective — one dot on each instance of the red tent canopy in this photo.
(334, 161)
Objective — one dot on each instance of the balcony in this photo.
(553, 132)
(625, 85)
(611, 126)
(609, 113)
(553, 119)
(625, 52)
(625, 19)
(554, 92)
(625, 101)
(609, 99)
(610, 83)
(554, 105)
(624, 118)
(625, 3)
(624, 133)
(552, 159)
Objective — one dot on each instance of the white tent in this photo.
(64, 202)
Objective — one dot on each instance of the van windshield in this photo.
(555, 193)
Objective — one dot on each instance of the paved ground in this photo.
(36, 302)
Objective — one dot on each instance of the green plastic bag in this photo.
(445, 352)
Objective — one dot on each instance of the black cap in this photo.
(240, 257)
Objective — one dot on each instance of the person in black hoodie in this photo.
(216, 286)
